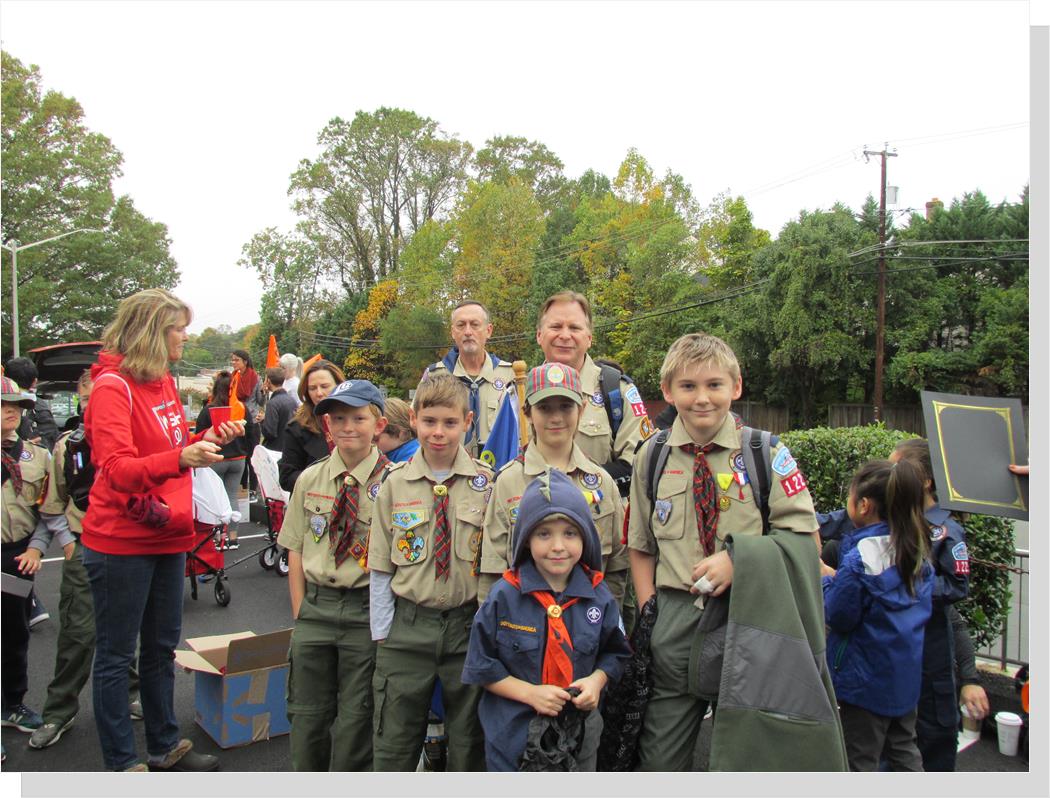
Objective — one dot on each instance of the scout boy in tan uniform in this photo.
(326, 533)
(703, 495)
(24, 484)
(486, 375)
(553, 406)
(426, 532)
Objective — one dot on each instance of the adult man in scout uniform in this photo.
(608, 435)
(485, 375)
(425, 538)
(553, 404)
(326, 533)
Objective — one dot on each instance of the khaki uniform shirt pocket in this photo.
(673, 509)
(467, 534)
(408, 529)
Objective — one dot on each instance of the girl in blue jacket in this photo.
(876, 606)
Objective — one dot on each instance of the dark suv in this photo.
(59, 367)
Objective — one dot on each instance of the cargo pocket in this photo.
(379, 695)
(944, 704)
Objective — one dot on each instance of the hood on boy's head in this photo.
(553, 493)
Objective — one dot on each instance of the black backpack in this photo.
(77, 468)
(755, 445)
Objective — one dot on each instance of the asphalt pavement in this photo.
(259, 602)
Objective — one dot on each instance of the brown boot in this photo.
(183, 758)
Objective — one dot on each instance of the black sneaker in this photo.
(234, 544)
(22, 718)
(38, 612)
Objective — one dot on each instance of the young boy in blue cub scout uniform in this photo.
(703, 495)
(549, 624)
(553, 403)
(426, 531)
(24, 484)
(326, 533)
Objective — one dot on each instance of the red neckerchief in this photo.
(557, 655)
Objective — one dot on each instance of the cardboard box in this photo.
(241, 679)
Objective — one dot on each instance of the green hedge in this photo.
(830, 456)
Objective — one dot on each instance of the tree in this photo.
(57, 177)
(365, 360)
(727, 242)
(504, 158)
(377, 181)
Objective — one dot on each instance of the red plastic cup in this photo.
(219, 416)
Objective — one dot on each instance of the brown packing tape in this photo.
(257, 687)
(261, 727)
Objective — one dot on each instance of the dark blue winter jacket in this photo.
(875, 625)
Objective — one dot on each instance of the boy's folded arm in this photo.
(381, 604)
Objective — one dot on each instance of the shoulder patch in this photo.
(783, 462)
(794, 484)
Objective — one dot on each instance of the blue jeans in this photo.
(135, 595)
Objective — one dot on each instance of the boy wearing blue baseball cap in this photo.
(550, 624)
(326, 533)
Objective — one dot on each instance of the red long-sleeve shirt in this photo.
(136, 431)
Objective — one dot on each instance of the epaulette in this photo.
(505, 466)
(483, 466)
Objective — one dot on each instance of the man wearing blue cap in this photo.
(326, 533)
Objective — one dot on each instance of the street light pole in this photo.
(14, 248)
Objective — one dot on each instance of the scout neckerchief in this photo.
(705, 493)
(327, 433)
(341, 540)
(11, 454)
(557, 655)
(442, 532)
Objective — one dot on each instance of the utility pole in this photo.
(880, 316)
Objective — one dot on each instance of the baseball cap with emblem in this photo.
(355, 393)
(10, 392)
(553, 379)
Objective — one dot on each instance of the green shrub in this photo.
(829, 457)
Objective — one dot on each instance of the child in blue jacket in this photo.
(549, 624)
(876, 606)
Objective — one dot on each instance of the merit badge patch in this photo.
(647, 428)
(498, 384)
(475, 541)
(407, 519)
(784, 463)
(591, 480)
(663, 510)
(318, 523)
(962, 559)
(938, 533)
(594, 614)
(794, 484)
(556, 375)
(597, 399)
(479, 482)
(373, 490)
(410, 546)
(514, 514)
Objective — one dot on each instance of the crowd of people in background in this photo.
(507, 601)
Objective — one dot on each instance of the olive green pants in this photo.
(673, 714)
(331, 661)
(423, 645)
(75, 647)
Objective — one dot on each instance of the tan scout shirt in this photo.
(492, 382)
(308, 519)
(56, 499)
(671, 531)
(595, 433)
(21, 510)
(502, 512)
(402, 538)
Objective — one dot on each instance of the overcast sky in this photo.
(214, 104)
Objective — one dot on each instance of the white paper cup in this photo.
(1008, 725)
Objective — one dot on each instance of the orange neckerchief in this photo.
(557, 655)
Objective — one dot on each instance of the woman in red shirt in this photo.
(139, 526)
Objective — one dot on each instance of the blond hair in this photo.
(397, 422)
(139, 332)
(566, 296)
(698, 349)
(442, 390)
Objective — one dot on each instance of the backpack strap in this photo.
(755, 446)
(655, 462)
(612, 396)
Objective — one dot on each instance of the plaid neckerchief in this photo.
(705, 496)
(11, 454)
(442, 531)
(341, 540)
